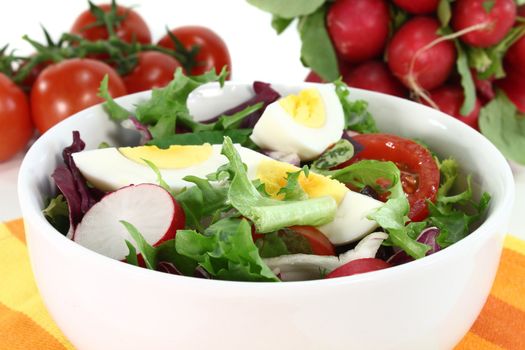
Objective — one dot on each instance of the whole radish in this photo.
(418, 58)
(514, 87)
(418, 7)
(449, 99)
(358, 28)
(312, 77)
(515, 57)
(375, 76)
(495, 17)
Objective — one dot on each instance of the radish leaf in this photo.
(469, 89)
(504, 127)
(288, 8)
(317, 50)
(444, 12)
(280, 24)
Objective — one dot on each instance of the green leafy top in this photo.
(289, 8)
(501, 123)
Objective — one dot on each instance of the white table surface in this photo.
(257, 54)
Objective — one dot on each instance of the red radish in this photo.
(449, 99)
(358, 28)
(515, 56)
(521, 11)
(496, 17)
(150, 208)
(312, 77)
(420, 57)
(418, 7)
(358, 266)
(375, 76)
(514, 87)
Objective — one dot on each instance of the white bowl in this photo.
(431, 303)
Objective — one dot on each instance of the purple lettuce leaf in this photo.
(427, 236)
(263, 93)
(66, 184)
(143, 129)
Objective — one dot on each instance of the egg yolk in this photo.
(174, 157)
(306, 108)
(274, 173)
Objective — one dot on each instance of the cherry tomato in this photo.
(30, 79)
(318, 241)
(67, 87)
(131, 27)
(213, 52)
(355, 267)
(419, 171)
(15, 121)
(153, 70)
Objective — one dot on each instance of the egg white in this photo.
(277, 130)
(108, 170)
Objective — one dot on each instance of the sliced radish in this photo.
(150, 208)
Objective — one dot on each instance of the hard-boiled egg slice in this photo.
(112, 168)
(305, 124)
(350, 222)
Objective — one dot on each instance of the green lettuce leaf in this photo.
(269, 214)
(357, 116)
(145, 249)
(293, 190)
(115, 111)
(215, 137)
(226, 251)
(393, 218)
(57, 213)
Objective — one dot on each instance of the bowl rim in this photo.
(30, 209)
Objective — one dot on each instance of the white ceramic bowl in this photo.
(100, 303)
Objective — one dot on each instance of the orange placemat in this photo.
(25, 323)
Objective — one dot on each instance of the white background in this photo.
(257, 54)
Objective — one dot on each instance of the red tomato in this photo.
(419, 171)
(358, 28)
(213, 52)
(67, 87)
(15, 121)
(318, 241)
(153, 70)
(28, 82)
(355, 267)
(131, 27)
(449, 99)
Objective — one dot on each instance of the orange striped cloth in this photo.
(25, 323)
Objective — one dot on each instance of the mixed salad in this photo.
(279, 188)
